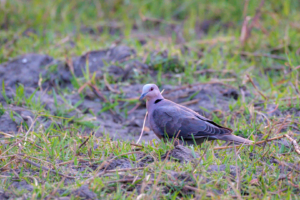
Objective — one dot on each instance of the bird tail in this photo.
(235, 139)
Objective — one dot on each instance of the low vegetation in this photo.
(71, 74)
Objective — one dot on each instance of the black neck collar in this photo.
(157, 100)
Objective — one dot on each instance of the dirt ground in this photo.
(44, 72)
(35, 69)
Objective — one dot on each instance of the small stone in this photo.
(24, 60)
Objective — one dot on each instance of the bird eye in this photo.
(151, 89)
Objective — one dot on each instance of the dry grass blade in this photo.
(12, 146)
(84, 143)
(45, 168)
(294, 142)
(234, 189)
(6, 135)
(29, 129)
(142, 128)
(145, 123)
(97, 92)
(134, 108)
(250, 79)
(123, 180)
(246, 27)
(107, 163)
(162, 168)
(109, 87)
(190, 102)
(244, 31)
(55, 190)
(125, 170)
(256, 54)
(278, 130)
(257, 143)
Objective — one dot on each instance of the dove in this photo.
(169, 121)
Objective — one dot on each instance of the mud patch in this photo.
(181, 154)
(21, 185)
(17, 119)
(8, 125)
(107, 61)
(25, 70)
(119, 163)
(142, 160)
(6, 195)
(274, 110)
(35, 70)
(84, 193)
(223, 168)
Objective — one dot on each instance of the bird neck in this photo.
(150, 104)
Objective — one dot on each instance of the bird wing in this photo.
(174, 119)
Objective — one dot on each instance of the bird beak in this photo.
(143, 96)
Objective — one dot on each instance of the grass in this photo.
(62, 29)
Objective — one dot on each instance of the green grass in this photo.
(56, 28)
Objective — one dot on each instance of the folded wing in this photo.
(173, 120)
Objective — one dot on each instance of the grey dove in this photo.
(169, 120)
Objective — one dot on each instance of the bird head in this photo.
(150, 91)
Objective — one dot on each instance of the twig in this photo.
(247, 28)
(32, 124)
(250, 79)
(125, 169)
(245, 8)
(121, 170)
(274, 109)
(260, 142)
(245, 31)
(190, 102)
(45, 168)
(144, 18)
(278, 130)
(198, 84)
(256, 54)
(137, 145)
(5, 167)
(159, 174)
(36, 159)
(102, 97)
(83, 86)
(204, 71)
(7, 135)
(290, 98)
(134, 108)
(85, 141)
(238, 194)
(215, 40)
(238, 182)
(97, 173)
(109, 87)
(125, 180)
(70, 65)
(199, 161)
(62, 41)
(294, 142)
(256, 16)
(97, 92)
(12, 146)
(55, 190)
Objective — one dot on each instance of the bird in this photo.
(171, 121)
